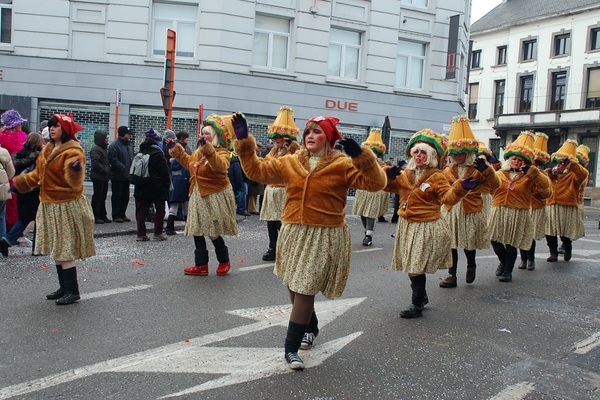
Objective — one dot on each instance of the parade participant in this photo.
(212, 203)
(467, 219)
(422, 239)
(315, 244)
(154, 191)
(564, 217)
(180, 183)
(12, 139)
(510, 221)
(583, 156)
(370, 205)
(285, 134)
(65, 220)
(538, 202)
(255, 189)
(100, 174)
(27, 203)
(7, 171)
(120, 154)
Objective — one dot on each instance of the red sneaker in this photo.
(223, 268)
(197, 270)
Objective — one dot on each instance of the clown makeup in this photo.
(516, 162)
(419, 155)
(279, 141)
(460, 158)
(315, 140)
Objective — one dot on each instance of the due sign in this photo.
(341, 105)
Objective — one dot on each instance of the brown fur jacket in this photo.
(57, 181)
(567, 186)
(517, 192)
(316, 197)
(275, 153)
(488, 183)
(208, 167)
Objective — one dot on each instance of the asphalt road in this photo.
(144, 330)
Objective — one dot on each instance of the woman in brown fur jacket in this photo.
(315, 242)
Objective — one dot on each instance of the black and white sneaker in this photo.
(307, 341)
(294, 361)
(368, 240)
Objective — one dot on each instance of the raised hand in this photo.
(201, 141)
(469, 183)
(351, 147)
(566, 161)
(13, 189)
(525, 169)
(393, 172)
(493, 159)
(239, 126)
(480, 164)
(170, 142)
(288, 141)
(76, 165)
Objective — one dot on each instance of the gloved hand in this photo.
(238, 194)
(288, 141)
(493, 159)
(13, 188)
(351, 147)
(393, 172)
(201, 141)
(566, 161)
(480, 164)
(170, 143)
(469, 183)
(239, 126)
(525, 169)
(76, 165)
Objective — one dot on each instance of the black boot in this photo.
(524, 258)
(450, 280)
(71, 287)
(273, 230)
(509, 264)
(222, 253)
(531, 257)
(471, 265)
(568, 245)
(61, 290)
(552, 243)
(500, 251)
(415, 310)
(170, 229)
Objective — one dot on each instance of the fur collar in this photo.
(325, 160)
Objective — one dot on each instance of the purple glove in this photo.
(525, 169)
(170, 143)
(469, 183)
(288, 141)
(480, 164)
(393, 172)
(13, 189)
(76, 165)
(351, 147)
(566, 161)
(239, 126)
(201, 141)
(493, 159)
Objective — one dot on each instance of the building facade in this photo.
(535, 65)
(360, 60)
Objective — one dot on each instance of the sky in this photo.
(482, 7)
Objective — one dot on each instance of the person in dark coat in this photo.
(236, 176)
(100, 174)
(255, 189)
(155, 191)
(120, 154)
(178, 195)
(27, 203)
(402, 165)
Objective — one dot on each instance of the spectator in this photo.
(7, 171)
(255, 189)
(120, 154)
(100, 174)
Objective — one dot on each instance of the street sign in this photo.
(119, 98)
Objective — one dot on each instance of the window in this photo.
(182, 19)
(526, 94)
(271, 42)
(592, 143)
(562, 44)
(559, 89)
(501, 55)
(499, 98)
(410, 64)
(595, 39)
(473, 99)
(476, 59)
(528, 50)
(419, 3)
(5, 21)
(593, 88)
(344, 54)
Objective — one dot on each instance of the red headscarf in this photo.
(69, 126)
(328, 124)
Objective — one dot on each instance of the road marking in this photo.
(588, 240)
(559, 260)
(110, 292)
(368, 250)
(241, 364)
(588, 344)
(253, 267)
(515, 392)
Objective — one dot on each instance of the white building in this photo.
(360, 60)
(535, 66)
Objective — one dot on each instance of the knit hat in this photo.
(123, 130)
(68, 126)
(482, 150)
(12, 118)
(583, 154)
(540, 148)
(46, 134)
(568, 149)
(169, 134)
(374, 141)
(150, 133)
(522, 147)
(461, 137)
(432, 138)
(284, 125)
(329, 126)
(222, 124)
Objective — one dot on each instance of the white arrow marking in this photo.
(110, 292)
(253, 267)
(588, 344)
(267, 317)
(515, 392)
(367, 250)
